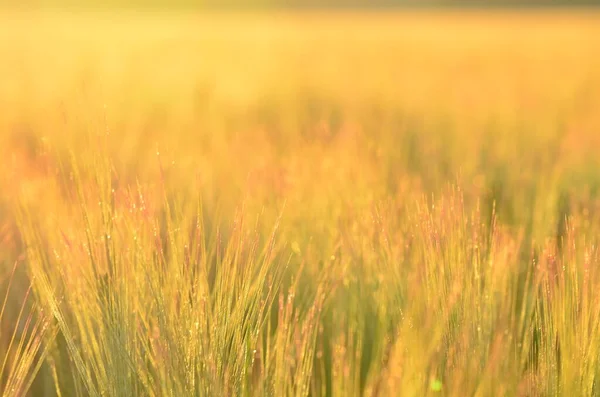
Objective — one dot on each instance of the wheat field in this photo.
(312, 203)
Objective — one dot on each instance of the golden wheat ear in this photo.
(24, 354)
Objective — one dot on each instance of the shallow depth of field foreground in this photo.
(311, 204)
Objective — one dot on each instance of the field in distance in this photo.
(302, 203)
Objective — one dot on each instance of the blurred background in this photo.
(299, 4)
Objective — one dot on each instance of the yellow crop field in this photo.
(300, 203)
